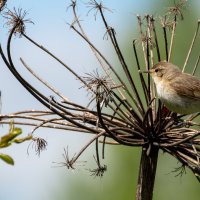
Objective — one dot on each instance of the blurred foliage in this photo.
(10, 138)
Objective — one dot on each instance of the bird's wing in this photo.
(187, 85)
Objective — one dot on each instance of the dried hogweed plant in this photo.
(2, 4)
(119, 112)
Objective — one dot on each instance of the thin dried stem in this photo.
(191, 46)
(172, 39)
(43, 81)
(106, 70)
(196, 65)
(156, 38)
(142, 35)
(57, 59)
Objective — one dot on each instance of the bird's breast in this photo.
(175, 102)
(164, 90)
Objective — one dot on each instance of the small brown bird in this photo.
(180, 92)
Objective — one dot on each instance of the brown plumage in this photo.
(180, 92)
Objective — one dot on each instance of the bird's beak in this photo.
(146, 71)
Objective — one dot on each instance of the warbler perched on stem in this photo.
(180, 92)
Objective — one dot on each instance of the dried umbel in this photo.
(122, 113)
(101, 86)
(16, 18)
(2, 4)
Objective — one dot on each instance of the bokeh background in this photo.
(39, 178)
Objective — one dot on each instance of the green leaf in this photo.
(13, 130)
(20, 140)
(5, 140)
(4, 144)
(7, 159)
(11, 126)
(16, 131)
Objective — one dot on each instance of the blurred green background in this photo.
(39, 178)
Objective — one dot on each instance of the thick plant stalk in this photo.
(147, 172)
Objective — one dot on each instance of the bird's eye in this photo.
(156, 70)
